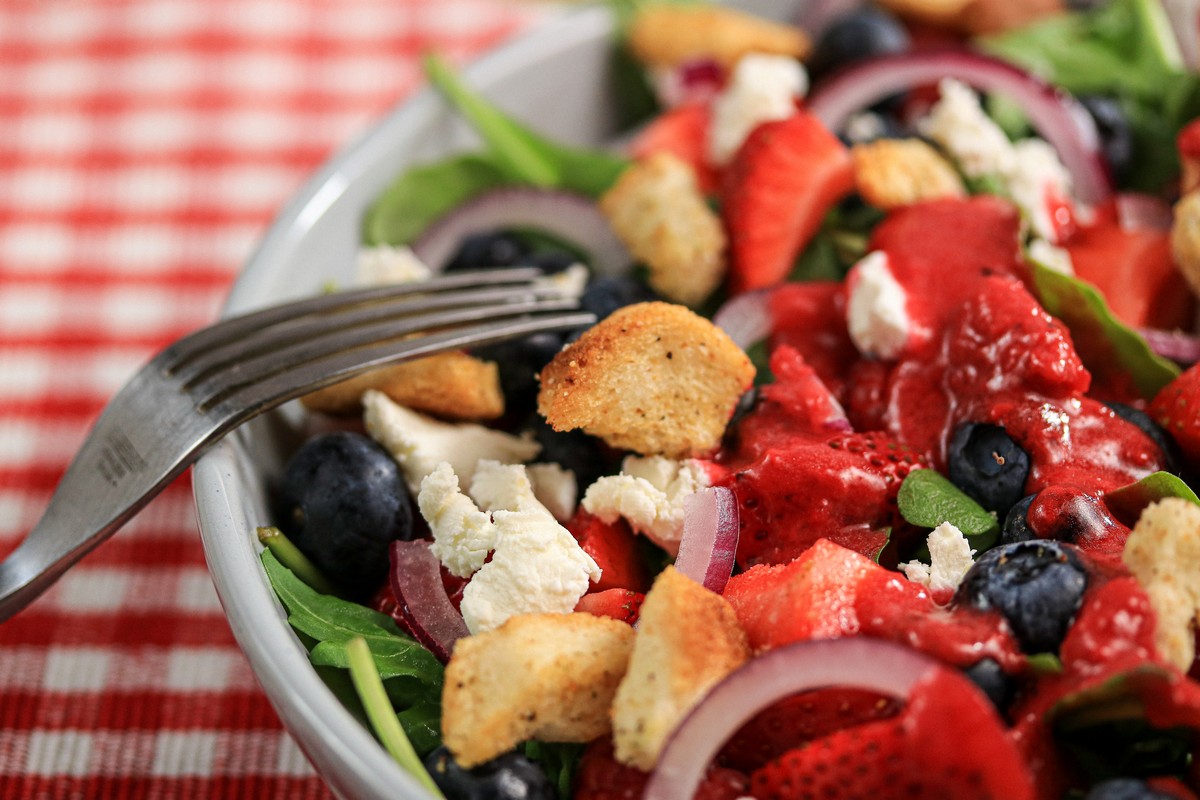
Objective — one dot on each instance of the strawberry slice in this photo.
(683, 132)
(947, 743)
(620, 604)
(1135, 271)
(615, 550)
(781, 182)
(1177, 408)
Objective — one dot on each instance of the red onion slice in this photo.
(1137, 211)
(853, 662)
(566, 215)
(1182, 348)
(710, 537)
(416, 580)
(1057, 116)
(746, 317)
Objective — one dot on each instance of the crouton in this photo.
(654, 378)
(666, 35)
(688, 639)
(1162, 552)
(891, 173)
(1185, 239)
(452, 385)
(538, 676)
(657, 210)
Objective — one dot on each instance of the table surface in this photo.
(145, 145)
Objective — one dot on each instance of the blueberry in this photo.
(992, 681)
(985, 462)
(344, 501)
(488, 250)
(1036, 586)
(1125, 789)
(606, 294)
(1170, 451)
(1116, 134)
(520, 360)
(1016, 523)
(855, 36)
(509, 777)
(575, 450)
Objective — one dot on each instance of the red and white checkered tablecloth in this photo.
(144, 147)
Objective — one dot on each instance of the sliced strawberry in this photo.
(615, 549)
(681, 131)
(1177, 408)
(776, 191)
(621, 604)
(948, 743)
(799, 719)
(1188, 143)
(601, 777)
(831, 591)
(811, 318)
(1135, 271)
(793, 491)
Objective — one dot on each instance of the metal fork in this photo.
(204, 385)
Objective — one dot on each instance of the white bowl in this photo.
(556, 79)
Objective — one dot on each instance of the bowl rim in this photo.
(344, 752)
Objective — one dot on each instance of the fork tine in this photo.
(275, 339)
(178, 355)
(323, 342)
(242, 402)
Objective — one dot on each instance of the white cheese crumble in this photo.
(384, 264)
(555, 488)
(419, 443)
(536, 565)
(876, 310)
(950, 556)
(1052, 256)
(761, 88)
(958, 123)
(649, 494)
(1039, 184)
(569, 282)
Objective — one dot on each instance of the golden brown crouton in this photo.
(1162, 553)
(654, 378)
(665, 35)
(688, 639)
(1185, 238)
(898, 172)
(657, 209)
(451, 385)
(538, 676)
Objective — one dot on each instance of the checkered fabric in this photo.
(144, 147)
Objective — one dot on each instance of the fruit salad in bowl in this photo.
(873, 477)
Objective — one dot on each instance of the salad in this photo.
(872, 478)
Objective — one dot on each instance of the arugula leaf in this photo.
(290, 556)
(334, 622)
(1112, 351)
(520, 154)
(927, 499)
(422, 194)
(1124, 49)
(1128, 502)
(558, 761)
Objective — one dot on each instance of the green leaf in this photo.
(558, 761)
(1113, 352)
(423, 194)
(334, 622)
(927, 499)
(522, 155)
(422, 722)
(1128, 502)
(382, 716)
(290, 556)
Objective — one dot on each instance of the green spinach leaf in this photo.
(927, 499)
(1113, 352)
(522, 155)
(1128, 502)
